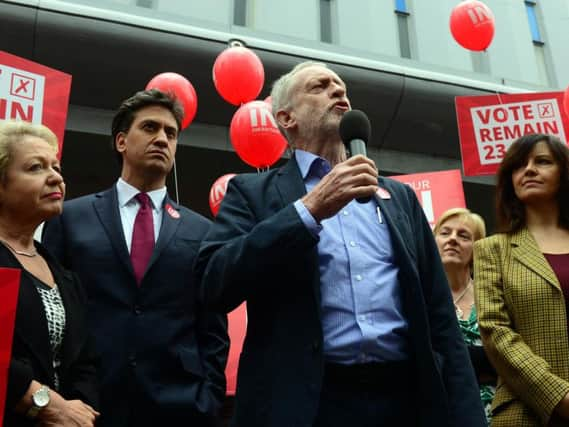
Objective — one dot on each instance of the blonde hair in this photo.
(472, 219)
(14, 131)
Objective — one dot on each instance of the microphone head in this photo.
(355, 125)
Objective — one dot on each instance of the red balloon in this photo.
(183, 91)
(566, 101)
(217, 192)
(472, 25)
(255, 135)
(238, 75)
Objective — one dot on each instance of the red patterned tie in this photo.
(142, 237)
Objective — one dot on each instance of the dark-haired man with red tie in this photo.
(162, 354)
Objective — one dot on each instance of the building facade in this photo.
(398, 58)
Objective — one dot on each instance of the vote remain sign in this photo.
(34, 93)
(489, 124)
(436, 191)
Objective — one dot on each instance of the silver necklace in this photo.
(459, 312)
(24, 253)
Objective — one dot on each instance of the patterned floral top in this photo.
(471, 335)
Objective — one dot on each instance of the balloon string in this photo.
(176, 183)
(499, 98)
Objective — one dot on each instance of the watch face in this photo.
(41, 397)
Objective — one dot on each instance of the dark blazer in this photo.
(259, 250)
(31, 351)
(162, 355)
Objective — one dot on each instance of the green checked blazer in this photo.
(523, 323)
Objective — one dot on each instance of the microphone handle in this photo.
(358, 146)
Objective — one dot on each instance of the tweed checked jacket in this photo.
(523, 324)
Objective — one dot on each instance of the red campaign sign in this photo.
(9, 288)
(237, 328)
(488, 124)
(34, 93)
(436, 191)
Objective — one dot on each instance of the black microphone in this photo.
(355, 131)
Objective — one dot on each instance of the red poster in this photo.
(237, 329)
(488, 124)
(9, 287)
(436, 191)
(34, 93)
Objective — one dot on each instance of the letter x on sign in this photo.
(22, 86)
(545, 110)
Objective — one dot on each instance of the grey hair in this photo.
(281, 92)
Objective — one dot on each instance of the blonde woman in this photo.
(455, 233)
(52, 377)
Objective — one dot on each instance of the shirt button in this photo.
(359, 277)
(137, 310)
(346, 213)
(352, 243)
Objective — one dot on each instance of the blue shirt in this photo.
(362, 314)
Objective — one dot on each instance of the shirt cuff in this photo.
(313, 227)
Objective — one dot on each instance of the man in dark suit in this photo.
(350, 319)
(162, 354)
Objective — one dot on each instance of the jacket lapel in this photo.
(289, 182)
(72, 338)
(526, 251)
(107, 207)
(170, 221)
(291, 187)
(31, 323)
(392, 216)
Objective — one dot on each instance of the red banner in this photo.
(436, 191)
(487, 125)
(34, 93)
(9, 288)
(237, 329)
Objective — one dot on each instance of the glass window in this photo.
(532, 19)
(401, 6)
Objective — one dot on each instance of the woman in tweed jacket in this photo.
(522, 285)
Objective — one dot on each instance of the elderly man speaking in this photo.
(351, 322)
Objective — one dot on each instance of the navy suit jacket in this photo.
(162, 354)
(259, 250)
(32, 357)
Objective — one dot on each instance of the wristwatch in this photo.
(40, 399)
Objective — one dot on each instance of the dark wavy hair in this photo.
(510, 211)
(127, 112)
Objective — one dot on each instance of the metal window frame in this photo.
(533, 21)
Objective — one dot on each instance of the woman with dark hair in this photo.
(52, 377)
(522, 285)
